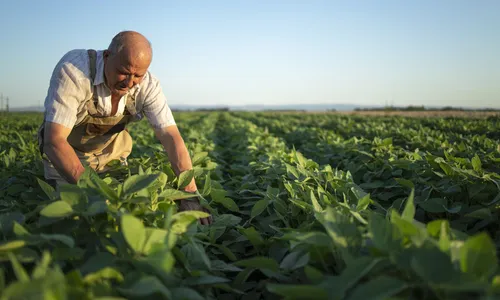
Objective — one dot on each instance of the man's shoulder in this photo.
(75, 56)
(75, 61)
(150, 81)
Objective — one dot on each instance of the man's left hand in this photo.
(194, 204)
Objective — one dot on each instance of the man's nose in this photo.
(130, 81)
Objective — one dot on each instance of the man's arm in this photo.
(60, 152)
(177, 152)
(178, 155)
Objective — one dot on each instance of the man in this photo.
(92, 96)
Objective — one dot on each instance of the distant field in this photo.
(337, 205)
(460, 114)
(437, 113)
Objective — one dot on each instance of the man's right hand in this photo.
(60, 152)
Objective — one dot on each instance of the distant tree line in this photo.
(211, 109)
(422, 108)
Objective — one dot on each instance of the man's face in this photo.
(124, 70)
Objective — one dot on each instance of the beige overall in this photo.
(97, 140)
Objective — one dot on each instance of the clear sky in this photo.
(443, 52)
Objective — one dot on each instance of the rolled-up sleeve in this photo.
(155, 106)
(66, 90)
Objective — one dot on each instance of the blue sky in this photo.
(272, 52)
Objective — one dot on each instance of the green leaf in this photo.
(20, 272)
(220, 265)
(74, 196)
(302, 291)
(299, 158)
(228, 203)
(156, 236)
(207, 186)
(433, 266)
(243, 276)
(313, 274)
(67, 240)
(440, 229)
(409, 229)
(409, 211)
(495, 283)
(42, 267)
(164, 260)
(185, 178)
(482, 214)
(259, 207)
(448, 170)
(292, 172)
(19, 230)
(136, 183)
(198, 158)
(173, 194)
(226, 220)
(405, 182)
(380, 288)
(476, 164)
(315, 238)
(106, 273)
(93, 181)
(7, 221)
(363, 203)
(194, 214)
(204, 280)
(133, 231)
(227, 252)
(12, 245)
(350, 276)
(259, 262)
(385, 237)
(434, 205)
(46, 188)
(343, 232)
(478, 256)
(315, 203)
(196, 256)
(96, 208)
(57, 209)
(253, 236)
(183, 219)
(97, 262)
(295, 260)
(455, 208)
(146, 286)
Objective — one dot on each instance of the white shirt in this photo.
(70, 88)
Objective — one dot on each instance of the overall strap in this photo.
(92, 62)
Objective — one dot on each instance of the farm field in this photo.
(305, 206)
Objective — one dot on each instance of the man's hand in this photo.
(194, 204)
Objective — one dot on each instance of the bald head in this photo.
(126, 61)
(130, 42)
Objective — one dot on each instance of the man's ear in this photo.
(106, 54)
